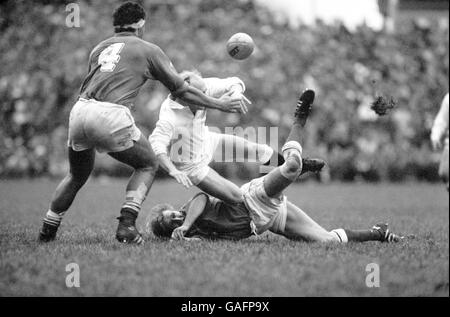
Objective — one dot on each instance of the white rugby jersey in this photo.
(183, 135)
(440, 126)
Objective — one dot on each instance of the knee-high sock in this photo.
(295, 133)
(345, 235)
(135, 198)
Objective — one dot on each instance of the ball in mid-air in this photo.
(240, 46)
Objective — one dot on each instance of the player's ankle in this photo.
(53, 219)
(128, 216)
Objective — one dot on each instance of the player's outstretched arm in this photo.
(194, 209)
(217, 87)
(229, 102)
(162, 69)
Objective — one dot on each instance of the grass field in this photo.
(267, 266)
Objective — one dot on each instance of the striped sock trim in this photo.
(292, 145)
(341, 235)
(132, 205)
(53, 219)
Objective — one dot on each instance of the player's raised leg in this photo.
(144, 162)
(236, 149)
(81, 165)
(279, 179)
(302, 112)
(215, 185)
(239, 149)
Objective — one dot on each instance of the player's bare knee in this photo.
(148, 170)
(294, 165)
(149, 167)
(292, 168)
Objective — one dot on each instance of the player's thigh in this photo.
(139, 156)
(81, 163)
(219, 187)
(243, 150)
(443, 167)
(300, 226)
(235, 148)
(275, 183)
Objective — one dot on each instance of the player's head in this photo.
(194, 78)
(129, 17)
(166, 221)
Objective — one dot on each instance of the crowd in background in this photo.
(43, 62)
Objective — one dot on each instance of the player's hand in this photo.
(181, 178)
(245, 102)
(178, 233)
(233, 104)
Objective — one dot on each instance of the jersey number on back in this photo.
(109, 57)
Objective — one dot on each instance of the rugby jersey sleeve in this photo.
(161, 136)
(162, 69)
(217, 87)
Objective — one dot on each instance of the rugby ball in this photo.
(240, 46)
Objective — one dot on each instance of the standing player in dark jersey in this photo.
(263, 206)
(101, 119)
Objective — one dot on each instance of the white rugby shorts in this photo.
(107, 127)
(267, 213)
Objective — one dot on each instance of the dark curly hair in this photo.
(156, 225)
(159, 229)
(126, 14)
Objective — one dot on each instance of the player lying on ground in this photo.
(101, 119)
(439, 138)
(185, 146)
(262, 207)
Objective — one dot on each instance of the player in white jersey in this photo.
(185, 146)
(439, 138)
